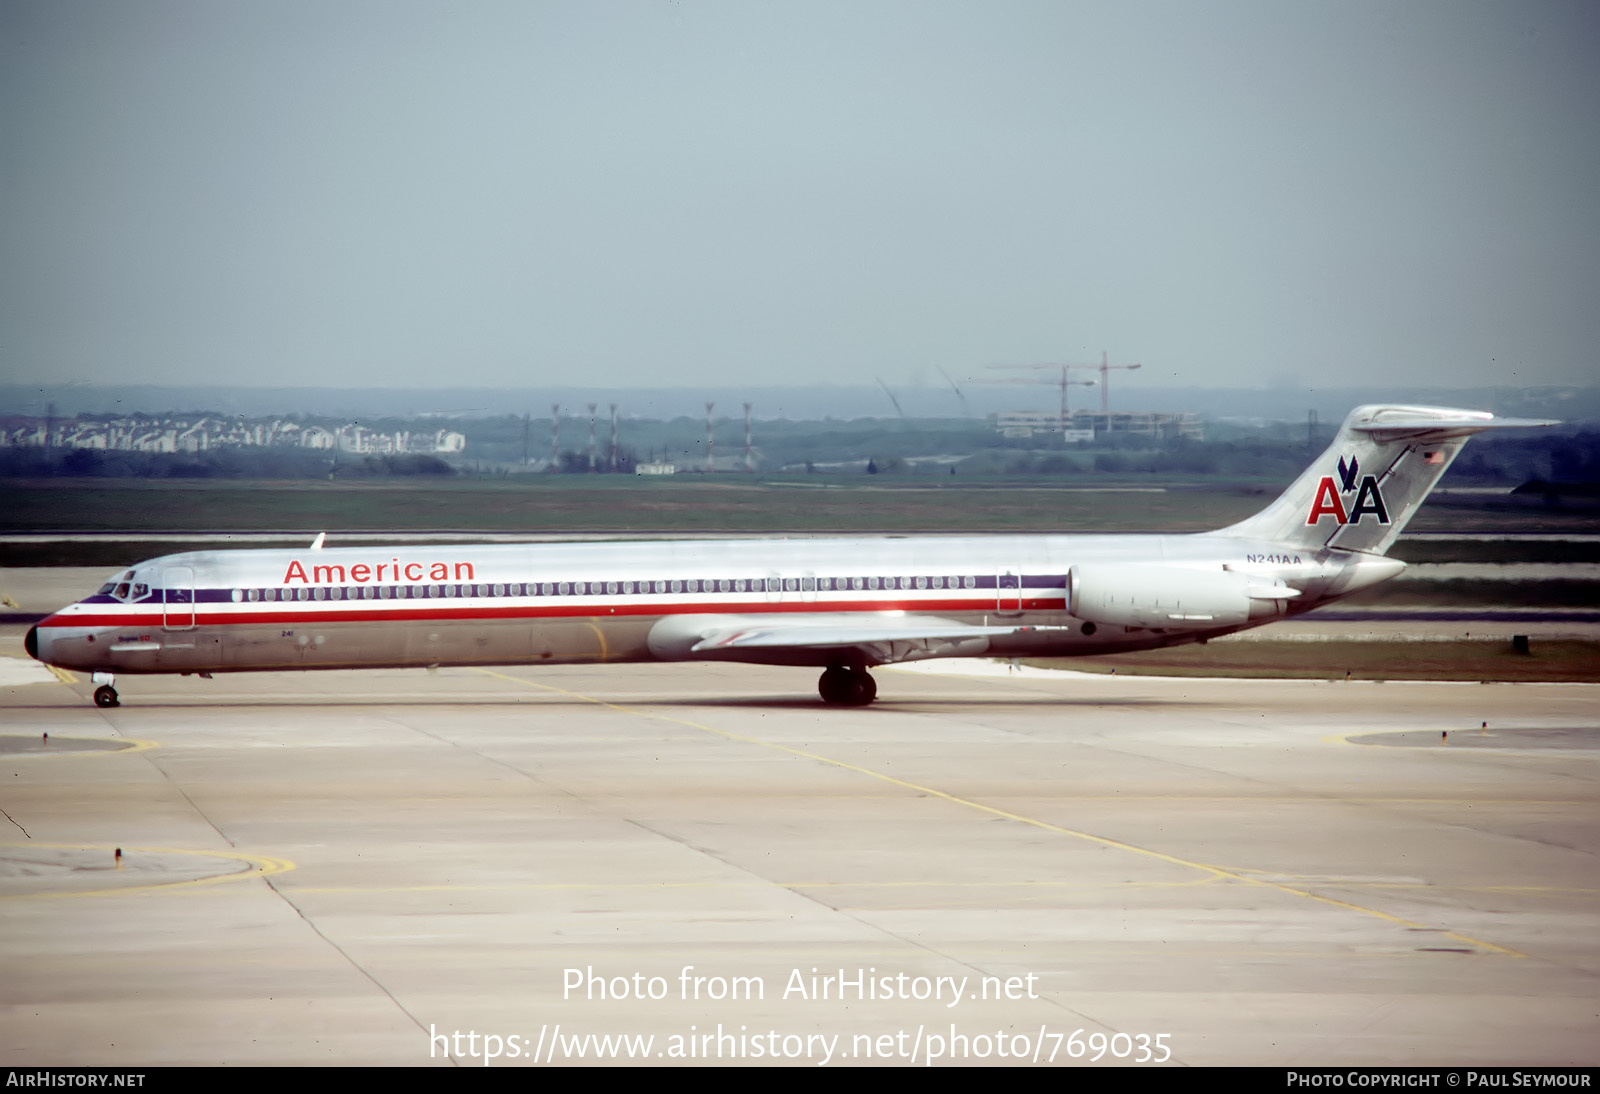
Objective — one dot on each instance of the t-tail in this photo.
(1360, 493)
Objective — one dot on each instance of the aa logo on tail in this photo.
(1330, 496)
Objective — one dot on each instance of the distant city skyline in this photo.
(509, 194)
(1574, 404)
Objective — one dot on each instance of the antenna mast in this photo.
(555, 436)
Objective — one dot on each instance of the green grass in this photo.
(612, 503)
(1479, 550)
(601, 504)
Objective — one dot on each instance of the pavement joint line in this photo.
(1217, 872)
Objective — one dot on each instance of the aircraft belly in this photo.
(473, 642)
(433, 642)
(249, 647)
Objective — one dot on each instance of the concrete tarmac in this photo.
(355, 868)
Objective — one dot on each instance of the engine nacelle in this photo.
(1172, 598)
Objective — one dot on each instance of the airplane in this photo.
(844, 605)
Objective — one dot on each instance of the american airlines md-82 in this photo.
(843, 605)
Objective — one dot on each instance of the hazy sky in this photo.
(406, 194)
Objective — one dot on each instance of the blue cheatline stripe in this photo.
(650, 587)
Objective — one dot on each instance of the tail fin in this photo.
(1360, 493)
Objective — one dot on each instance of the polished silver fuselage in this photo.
(240, 610)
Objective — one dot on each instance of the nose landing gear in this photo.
(847, 687)
(106, 694)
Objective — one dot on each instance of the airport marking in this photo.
(1441, 743)
(133, 744)
(584, 886)
(1218, 873)
(265, 866)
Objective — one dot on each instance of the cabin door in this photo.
(1008, 593)
(177, 599)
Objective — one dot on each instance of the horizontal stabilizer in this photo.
(1390, 426)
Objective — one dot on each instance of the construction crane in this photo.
(1066, 382)
(966, 411)
(1105, 385)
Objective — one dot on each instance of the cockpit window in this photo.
(140, 591)
(106, 588)
(121, 591)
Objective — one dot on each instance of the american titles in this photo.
(362, 572)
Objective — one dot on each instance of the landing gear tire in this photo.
(106, 696)
(847, 687)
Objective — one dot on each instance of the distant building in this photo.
(1083, 425)
(655, 469)
(185, 435)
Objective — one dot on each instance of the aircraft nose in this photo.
(30, 642)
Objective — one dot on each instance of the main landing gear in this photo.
(847, 687)
(105, 695)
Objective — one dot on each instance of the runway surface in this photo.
(356, 867)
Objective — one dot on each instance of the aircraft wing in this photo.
(883, 638)
(822, 634)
